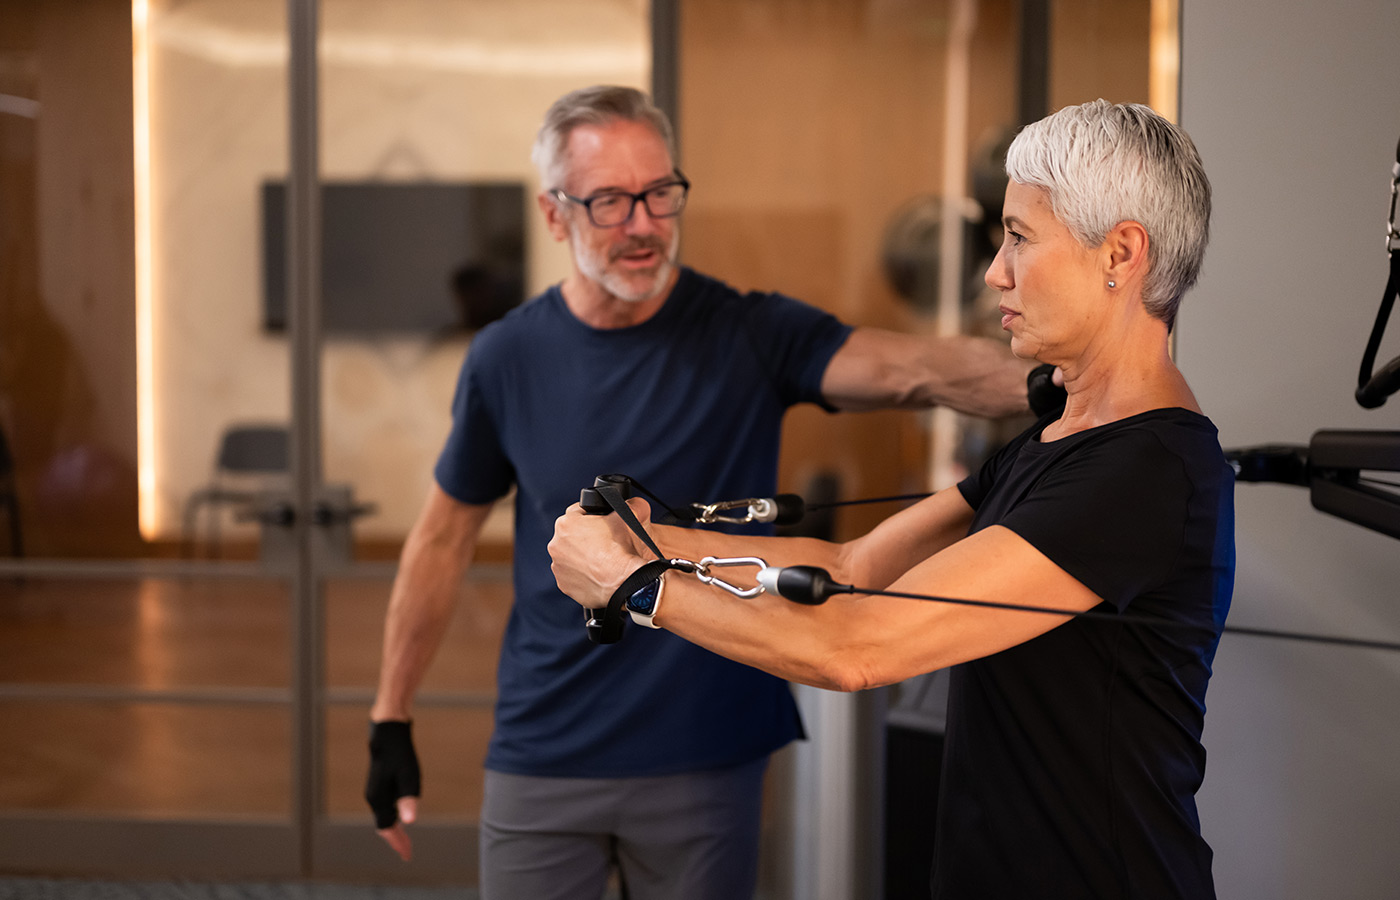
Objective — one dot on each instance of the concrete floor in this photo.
(69, 889)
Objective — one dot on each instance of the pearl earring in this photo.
(1113, 284)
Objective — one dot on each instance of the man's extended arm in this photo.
(878, 369)
(435, 557)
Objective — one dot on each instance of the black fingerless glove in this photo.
(1041, 391)
(393, 770)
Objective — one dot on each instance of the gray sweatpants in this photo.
(675, 837)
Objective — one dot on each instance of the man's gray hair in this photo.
(597, 105)
(1103, 163)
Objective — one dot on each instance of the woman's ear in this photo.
(1125, 250)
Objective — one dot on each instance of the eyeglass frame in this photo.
(639, 197)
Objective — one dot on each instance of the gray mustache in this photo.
(635, 245)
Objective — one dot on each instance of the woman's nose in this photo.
(998, 274)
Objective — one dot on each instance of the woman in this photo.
(1073, 749)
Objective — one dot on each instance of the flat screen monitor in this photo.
(404, 257)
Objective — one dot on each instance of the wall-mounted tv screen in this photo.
(404, 257)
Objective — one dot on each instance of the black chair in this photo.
(9, 496)
(252, 459)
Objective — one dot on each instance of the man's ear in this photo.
(553, 216)
(1125, 249)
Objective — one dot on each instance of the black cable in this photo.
(811, 507)
(1121, 618)
(679, 515)
(1130, 619)
(1314, 638)
(811, 585)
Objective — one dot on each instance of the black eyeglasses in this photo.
(610, 209)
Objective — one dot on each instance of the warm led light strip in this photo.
(230, 47)
(149, 518)
(1164, 57)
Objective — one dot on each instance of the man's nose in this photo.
(642, 221)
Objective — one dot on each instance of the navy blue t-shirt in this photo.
(690, 404)
(1072, 760)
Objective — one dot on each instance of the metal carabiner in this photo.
(702, 572)
(759, 510)
(1392, 234)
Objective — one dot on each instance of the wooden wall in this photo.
(67, 275)
(805, 126)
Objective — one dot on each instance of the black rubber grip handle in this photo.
(593, 502)
(603, 627)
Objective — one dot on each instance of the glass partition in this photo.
(183, 650)
(146, 607)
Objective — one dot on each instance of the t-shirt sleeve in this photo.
(796, 341)
(473, 467)
(1113, 515)
(976, 486)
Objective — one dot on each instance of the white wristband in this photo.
(647, 611)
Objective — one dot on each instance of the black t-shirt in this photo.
(1072, 760)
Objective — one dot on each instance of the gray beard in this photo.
(620, 286)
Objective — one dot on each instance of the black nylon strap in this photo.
(610, 493)
(1372, 389)
(605, 625)
(609, 623)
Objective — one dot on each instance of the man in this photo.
(649, 752)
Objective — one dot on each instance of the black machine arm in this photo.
(1330, 466)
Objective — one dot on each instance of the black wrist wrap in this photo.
(393, 770)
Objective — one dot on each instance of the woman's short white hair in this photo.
(1102, 163)
(597, 105)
